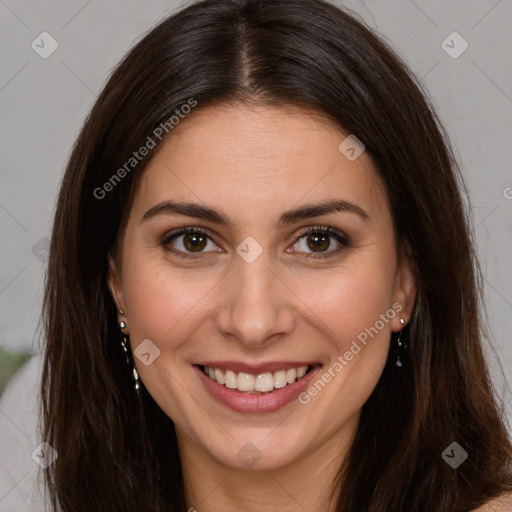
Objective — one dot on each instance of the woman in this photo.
(262, 292)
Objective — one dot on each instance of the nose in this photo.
(256, 306)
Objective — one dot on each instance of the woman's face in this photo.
(253, 296)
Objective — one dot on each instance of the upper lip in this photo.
(256, 369)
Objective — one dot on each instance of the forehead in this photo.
(257, 160)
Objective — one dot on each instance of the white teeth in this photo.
(291, 375)
(263, 383)
(245, 382)
(219, 376)
(301, 371)
(280, 379)
(230, 379)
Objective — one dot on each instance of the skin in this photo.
(254, 164)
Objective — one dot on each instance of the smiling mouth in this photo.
(260, 384)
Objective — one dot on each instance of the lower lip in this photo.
(268, 402)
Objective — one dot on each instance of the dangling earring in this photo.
(135, 375)
(124, 344)
(401, 345)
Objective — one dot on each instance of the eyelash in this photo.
(341, 238)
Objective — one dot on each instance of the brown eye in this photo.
(321, 241)
(189, 242)
(194, 242)
(318, 242)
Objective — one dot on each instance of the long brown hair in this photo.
(118, 451)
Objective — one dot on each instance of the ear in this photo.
(404, 289)
(115, 284)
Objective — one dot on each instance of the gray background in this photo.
(44, 102)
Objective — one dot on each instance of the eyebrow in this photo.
(289, 217)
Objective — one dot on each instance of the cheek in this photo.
(160, 302)
(351, 299)
(356, 308)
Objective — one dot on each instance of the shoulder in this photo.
(502, 503)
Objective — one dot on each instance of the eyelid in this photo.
(325, 229)
(187, 230)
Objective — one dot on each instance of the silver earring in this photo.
(121, 312)
(122, 324)
(135, 375)
(401, 345)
